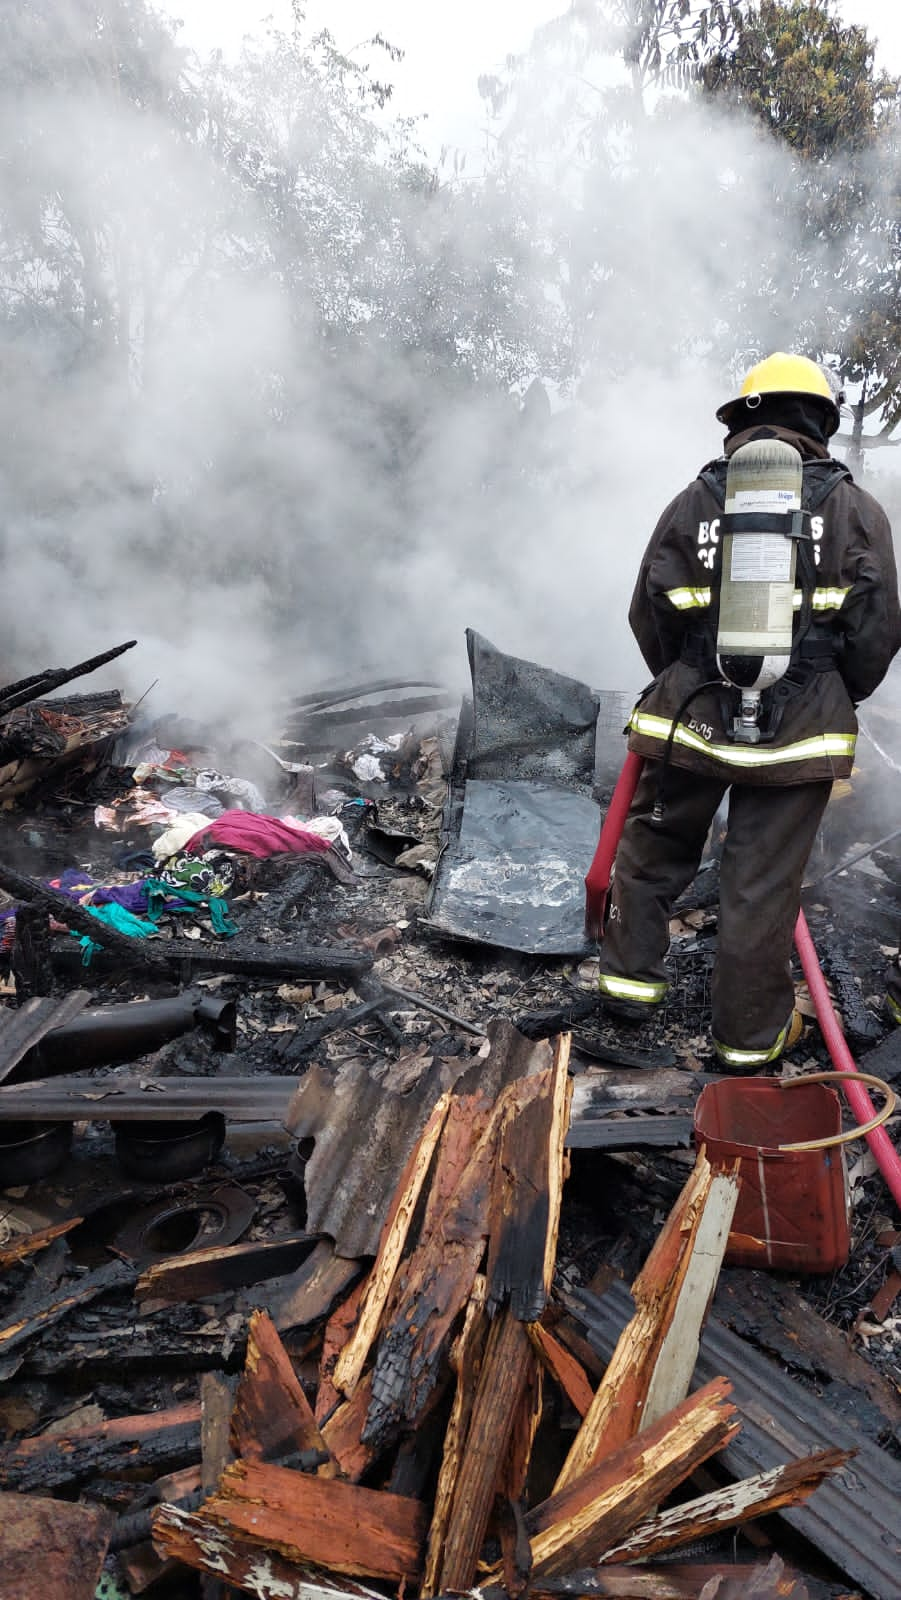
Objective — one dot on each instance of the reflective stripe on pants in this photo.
(768, 840)
(649, 994)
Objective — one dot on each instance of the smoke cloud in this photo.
(266, 399)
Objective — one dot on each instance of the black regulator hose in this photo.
(659, 806)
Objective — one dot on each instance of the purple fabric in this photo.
(133, 896)
(256, 835)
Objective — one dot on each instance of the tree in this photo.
(809, 81)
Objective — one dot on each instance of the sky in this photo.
(447, 48)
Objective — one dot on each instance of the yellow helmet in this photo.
(783, 374)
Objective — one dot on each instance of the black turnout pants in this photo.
(770, 834)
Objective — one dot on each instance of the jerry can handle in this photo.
(853, 1133)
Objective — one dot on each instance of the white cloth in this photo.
(176, 836)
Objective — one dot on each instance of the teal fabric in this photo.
(158, 893)
(117, 917)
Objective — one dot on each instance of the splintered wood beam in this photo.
(351, 1361)
(511, 1482)
(338, 1330)
(436, 1281)
(675, 1363)
(23, 1245)
(527, 1188)
(198, 1542)
(354, 1531)
(573, 1528)
(465, 1359)
(499, 1395)
(272, 1417)
(618, 1406)
(730, 1506)
(563, 1368)
(343, 1432)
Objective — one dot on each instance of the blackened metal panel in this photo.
(515, 874)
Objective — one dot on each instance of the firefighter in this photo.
(847, 629)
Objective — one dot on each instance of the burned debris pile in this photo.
(323, 1177)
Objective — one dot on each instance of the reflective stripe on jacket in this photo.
(854, 600)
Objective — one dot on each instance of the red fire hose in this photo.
(887, 1158)
(597, 886)
(597, 879)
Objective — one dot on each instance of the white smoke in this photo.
(263, 505)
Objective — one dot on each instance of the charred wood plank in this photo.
(31, 966)
(114, 1275)
(349, 1365)
(198, 1274)
(438, 1276)
(695, 1225)
(157, 1441)
(272, 1417)
(577, 1524)
(466, 1354)
(527, 1189)
(772, 1315)
(343, 1433)
(41, 683)
(340, 1526)
(338, 1330)
(729, 1507)
(632, 1133)
(306, 1039)
(51, 1547)
(563, 1367)
(23, 1245)
(499, 1394)
(185, 957)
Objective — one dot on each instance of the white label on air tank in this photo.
(765, 500)
(760, 558)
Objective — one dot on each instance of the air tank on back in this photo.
(757, 583)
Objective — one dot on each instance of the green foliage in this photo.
(806, 76)
(810, 81)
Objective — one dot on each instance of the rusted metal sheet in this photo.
(853, 1517)
(51, 1547)
(22, 1029)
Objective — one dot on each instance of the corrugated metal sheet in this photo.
(853, 1518)
(365, 1127)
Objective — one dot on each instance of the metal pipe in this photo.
(123, 1033)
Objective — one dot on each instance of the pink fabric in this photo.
(256, 835)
